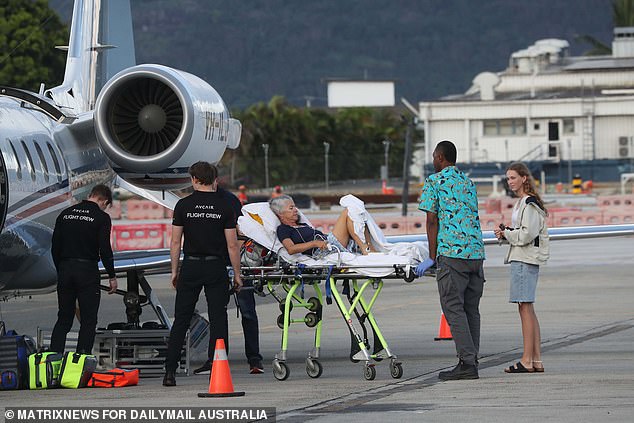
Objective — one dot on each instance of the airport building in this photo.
(546, 108)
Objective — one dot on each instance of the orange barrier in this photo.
(138, 237)
(220, 383)
(143, 209)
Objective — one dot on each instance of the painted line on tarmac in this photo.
(354, 402)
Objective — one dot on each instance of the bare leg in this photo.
(537, 342)
(344, 230)
(530, 333)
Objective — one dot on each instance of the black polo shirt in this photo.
(82, 232)
(204, 216)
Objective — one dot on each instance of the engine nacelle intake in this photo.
(153, 122)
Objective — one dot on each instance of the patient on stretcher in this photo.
(298, 237)
(260, 223)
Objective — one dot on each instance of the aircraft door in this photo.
(4, 192)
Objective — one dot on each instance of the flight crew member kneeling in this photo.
(80, 238)
(208, 223)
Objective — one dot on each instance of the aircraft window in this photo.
(40, 154)
(29, 160)
(4, 192)
(58, 169)
(18, 169)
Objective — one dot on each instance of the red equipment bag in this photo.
(114, 378)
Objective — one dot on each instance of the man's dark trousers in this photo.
(460, 285)
(194, 276)
(77, 281)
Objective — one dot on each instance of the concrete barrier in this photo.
(611, 201)
(143, 209)
(139, 237)
(580, 218)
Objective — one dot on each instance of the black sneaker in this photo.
(257, 368)
(461, 371)
(170, 378)
(205, 369)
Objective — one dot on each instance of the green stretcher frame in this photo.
(358, 307)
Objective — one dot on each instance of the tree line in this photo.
(296, 152)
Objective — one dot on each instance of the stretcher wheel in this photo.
(282, 305)
(410, 276)
(313, 368)
(280, 321)
(396, 370)
(280, 370)
(311, 320)
(369, 373)
(314, 304)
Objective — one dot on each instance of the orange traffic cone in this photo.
(444, 333)
(220, 383)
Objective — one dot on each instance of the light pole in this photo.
(386, 147)
(326, 150)
(266, 164)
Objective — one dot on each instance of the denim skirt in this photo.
(523, 282)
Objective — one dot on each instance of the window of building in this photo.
(40, 154)
(536, 127)
(497, 127)
(569, 126)
(29, 161)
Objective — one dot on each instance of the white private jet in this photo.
(111, 121)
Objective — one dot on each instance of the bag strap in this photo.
(94, 379)
(38, 360)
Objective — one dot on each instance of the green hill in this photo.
(252, 50)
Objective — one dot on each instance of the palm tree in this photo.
(622, 15)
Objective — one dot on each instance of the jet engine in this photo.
(153, 122)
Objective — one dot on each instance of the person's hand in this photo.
(113, 286)
(499, 231)
(423, 266)
(174, 279)
(322, 245)
(237, 283)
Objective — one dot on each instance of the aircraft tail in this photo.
(101, 44)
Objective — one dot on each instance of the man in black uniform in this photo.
(246, 304)
(80, 238)
(208, 224)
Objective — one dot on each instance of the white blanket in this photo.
(259, 223)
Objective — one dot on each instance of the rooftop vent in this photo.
(623, 43)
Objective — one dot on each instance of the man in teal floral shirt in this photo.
(455, 244)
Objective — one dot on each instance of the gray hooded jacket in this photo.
(529, 241)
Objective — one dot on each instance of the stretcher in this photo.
(267, 264)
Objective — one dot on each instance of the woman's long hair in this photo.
(529, 184)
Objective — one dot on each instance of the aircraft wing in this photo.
(555, 234)
(158, 261)
(149, 261)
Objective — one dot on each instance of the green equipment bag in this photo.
(44, 369)
(77, 369)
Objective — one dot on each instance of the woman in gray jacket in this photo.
(528, 239)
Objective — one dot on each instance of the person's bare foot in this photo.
(538, 366)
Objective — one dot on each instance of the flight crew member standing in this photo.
(208, 224)
(246, 304)
(455, 243)
(80, 238)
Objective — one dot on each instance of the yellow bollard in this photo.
(576, 184)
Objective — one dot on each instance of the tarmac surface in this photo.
(585, 305)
